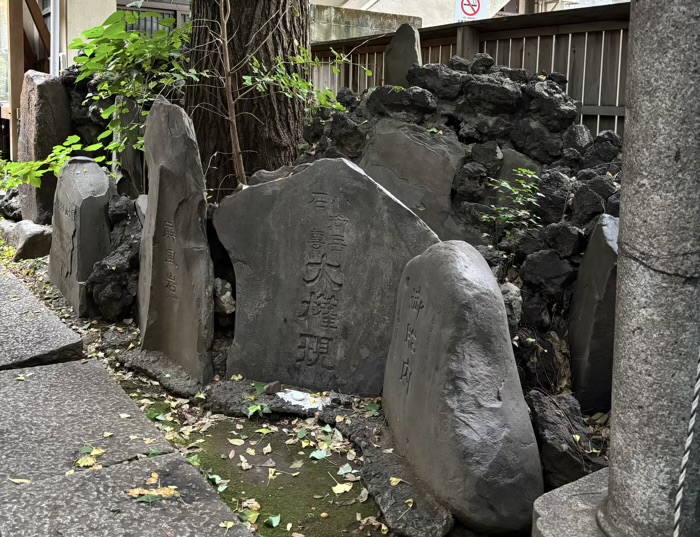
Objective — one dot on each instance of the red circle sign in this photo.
(471, 7)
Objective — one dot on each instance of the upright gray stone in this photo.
(46, 122)
(452, 395)
(417, 167)
(592, 319)
(316, 270)
(81, 229)
(402, 53)
(176, 280)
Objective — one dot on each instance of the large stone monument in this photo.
(176, 280)
(402, 53)
(45, 123)
(418, 167)
(317, 258)
(592, 319)
(452, 395)
(81, 229)
(654, 479)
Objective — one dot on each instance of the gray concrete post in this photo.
(658, 298)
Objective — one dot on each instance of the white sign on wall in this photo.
(471, 10)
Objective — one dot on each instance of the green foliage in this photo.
(513, 211)
(126, 64)
(292, 78)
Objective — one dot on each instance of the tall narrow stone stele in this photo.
(81, 229)
(452, 395)
(176, 306)
(45, 122)
(317, 257)
(403, 52)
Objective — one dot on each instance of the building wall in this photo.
(80, 15)
(558, 5)
(332, 23)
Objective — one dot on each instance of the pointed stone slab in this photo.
(81, 229)
(592, 319)
(403, 52)
(96, 504)
(48, 418)
(452, 395)
(317, 257)
(30, 334)
(46, 122)
(176, 279)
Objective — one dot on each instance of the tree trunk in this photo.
(270, 125)
(206, 102)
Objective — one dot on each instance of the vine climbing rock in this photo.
(452, 395)
(316, 273)
(176, 279)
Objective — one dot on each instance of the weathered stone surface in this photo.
(439, 79)
(451, 357)
(60, 426)
(113, 283)
(570, 511)
(536, 141)
(176, 280)
(265, 176)
(96, 504)
(141, 205)
(323, 318)
(490, 94)
(556, 189)
(412, 105)
(587, 204)
(514, 306)
(402, 53)
(544, 270)
(563, 238)
(562, 438)
(577, 137)
(606, 147)
(29, 333)
(417, 167)
(481, 64)
(30, 240)
(592, 318)
(81, 229)
(10, 206)
(46, 122)
(551, 106)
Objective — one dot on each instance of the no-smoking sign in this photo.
(469, 10)
(471, 7)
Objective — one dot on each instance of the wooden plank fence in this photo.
(588, 45)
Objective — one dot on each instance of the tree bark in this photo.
(206, 102)
(269, 125)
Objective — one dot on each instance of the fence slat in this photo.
(531, 54)
(516, 53)
(561, 54)
(623, 71)
(576, 65)
(503, 52)
(594, 53)
(545, 55)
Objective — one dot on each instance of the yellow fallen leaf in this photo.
(124, 416)
(577, 438)
(272, 473)
(21, 379)
(133, 437)
(227, 524)
(395, 481)
(250, 452)
(409, 502)
(245, 465)
(237, 377)
(267, 449)
(385, 530)
(236, 441)
(69, 472)
(148, 441)
(107, 435)
(341, 488)
(18, 481)
(96, 452)
(86, 462)
(153, 479)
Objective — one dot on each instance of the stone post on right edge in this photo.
(658, 298)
